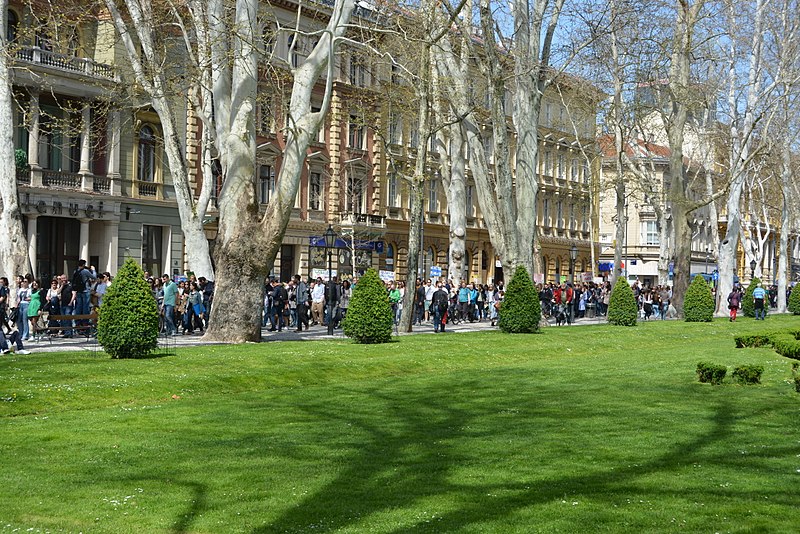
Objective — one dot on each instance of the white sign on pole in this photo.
(321, 273)
(386, 276)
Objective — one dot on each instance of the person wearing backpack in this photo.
(439, 302)
(81, 282)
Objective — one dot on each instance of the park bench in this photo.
(86, 328)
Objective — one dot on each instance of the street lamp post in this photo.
(707, 254)
(752, 269)
(330, 243)
(573, 255)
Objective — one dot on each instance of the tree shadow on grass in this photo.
(410, 458)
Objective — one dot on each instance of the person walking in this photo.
(758, 302)
(303, 298)
(439, 302)
(734, 301)
(170, 290)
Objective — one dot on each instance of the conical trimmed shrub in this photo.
(369, 316)
(698, 303)
(794, 300)
(127, 323)
(748, 308)
(520, 311)
(622, 308)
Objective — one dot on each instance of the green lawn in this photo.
(581, 429)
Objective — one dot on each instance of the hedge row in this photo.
(785, 343)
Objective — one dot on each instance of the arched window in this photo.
(12, 24)
(146, 164)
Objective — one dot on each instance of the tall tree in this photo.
(142, 29)
(747, 105)
(13, 244)
(247, 243)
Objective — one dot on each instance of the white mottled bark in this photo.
(742, 130)
(13, 243)
(248, 244)
(148, 74)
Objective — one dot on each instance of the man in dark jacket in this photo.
(303, 298)
(332, 295)
(280, 300)
(439, 304)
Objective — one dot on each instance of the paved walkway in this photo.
(313, 333)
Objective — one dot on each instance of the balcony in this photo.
(66, 181)
(362, 219)
(148, 190)
(61, 180)
(79, 65)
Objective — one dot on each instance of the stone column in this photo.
(33, 141)
(87, 182)
(83, 242)
(112, 238)
(112, 167)
(32, 244)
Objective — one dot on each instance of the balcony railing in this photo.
(102, 184)
(89, 67)
(148, 189)
(64, 180)
(363, 219)
(47, 178)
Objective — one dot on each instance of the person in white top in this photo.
(430, 289)
(318, 302)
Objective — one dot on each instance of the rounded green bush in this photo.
(369, 317)
(698, 303)
(622, 308)
(127, 323)
(520, 311)
(748, 310)
(794, 300)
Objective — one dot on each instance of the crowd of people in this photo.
(298, 304)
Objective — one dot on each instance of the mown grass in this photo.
(574, 430)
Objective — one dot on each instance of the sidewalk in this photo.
(79, 344)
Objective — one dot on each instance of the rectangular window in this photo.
(572, 221)
(294, 53)
(469, 201)
(413, 138)
(391, 200)
(585, 173)
(546, 212)
(152, 252)
(356, 193)
(585, 225)
(266, 122)
(394, 129)
(547, 164)
(561, 166)
(433, 196)
(266, 183)
(356, 134)
(548, 114)
(575, 170)
(650, 232)
(358, 72)
(560, 214)
(315, 191)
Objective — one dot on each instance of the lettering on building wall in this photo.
(56, 207)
